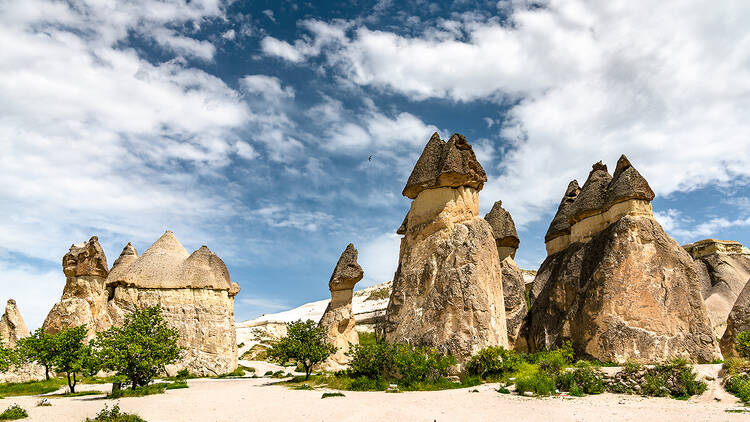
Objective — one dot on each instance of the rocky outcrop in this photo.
(514, 289)
(196, 296)
(12, 327)
(558, 234)
(194, 291)
(84, 298)
(737, 322)
(723, 270)
(622, 289)
(447, 290)
(338, 318)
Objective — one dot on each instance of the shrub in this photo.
(373, 360)
(739, 385)
(364, 383)
(503, 390)
(494, 362)
(140, 391)
(183, 374)
(114, 415)
(326, 395)
(743, 344)
(305, 343)
(13, 412)
(585, 379)
(406, 364)
(539, 383)
(141, 348)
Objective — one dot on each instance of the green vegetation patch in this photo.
(115, 415)
(141, 391)
(31, 388)
(379, 294)
(337, 394)
(13, 412)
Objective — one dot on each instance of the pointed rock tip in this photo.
(598, 166)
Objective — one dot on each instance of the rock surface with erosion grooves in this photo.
(196, 296)
(737, 322)
(338, 318)
(447, 290)
(723, 270)
(12, 327)
(84, 298)
(622, 289)
(514, 286)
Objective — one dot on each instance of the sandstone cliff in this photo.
(12, 327)
(738, 321)
(723, 270)
(338, 318)
(620, 288)
(514, 287)
(447, 290)
(194, 290)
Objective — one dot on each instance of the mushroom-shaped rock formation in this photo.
(338, 319)
(558, 234)
(445, 164)
(514, 288)
(723, 268)
(737, 322)
(447, 290)
(622, 288)
(84, 298)
(12, 327)
(196, 296)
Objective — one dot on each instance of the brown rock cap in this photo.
(593, 196)
(347, 272)
(627, 184)
(445, 164)
(503, 227)
(85, 259)
(560, 224)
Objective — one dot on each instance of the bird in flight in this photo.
(369, 158)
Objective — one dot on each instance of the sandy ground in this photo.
(261, 400)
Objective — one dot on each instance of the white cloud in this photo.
(379, 258)
(666, 83)
(269, 15)
(282, 49)
(282, 216)
(267, 86)
(229, 35)
(33, 303)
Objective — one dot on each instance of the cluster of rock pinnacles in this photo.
(614, 283)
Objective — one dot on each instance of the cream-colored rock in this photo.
(338, 319)
(84, 298)
(724, 269)
(516, 308)
(12, 327)
(447, 290)
(737, 322)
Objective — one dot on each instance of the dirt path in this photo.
(260, 400)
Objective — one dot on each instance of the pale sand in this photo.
(260, 400)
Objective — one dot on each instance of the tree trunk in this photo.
(71, 385)
(308, 369)
(46, 372)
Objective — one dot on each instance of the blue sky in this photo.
(247, 126)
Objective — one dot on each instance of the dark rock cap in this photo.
(593, 196)
(627, 184)
(347, 272)
(85, 259)
(560, 225)
(503, 227)
(445, 164)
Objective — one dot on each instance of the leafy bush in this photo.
(553, 361)
(406, 364)
(739, 385)
(503, 390)
(494, 362)
(743, 344)
(539, 383)
(364, 383)
(140, 391)
(183, 374)
(585, 379)
(114, 415)
(13, 412)
(304, 343)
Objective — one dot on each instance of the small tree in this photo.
(304, 343)
(71, 353)
(6, 358)
(39, 348)
(141, 348)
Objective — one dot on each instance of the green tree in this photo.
(39, 348)
(743, 344)
(6, 357)
(140, 349)
(71, 353)
(304, 343)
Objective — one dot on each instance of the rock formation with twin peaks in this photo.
(447, 290)
(338, 318)
(194, 291)
(12, 327)
(723, 270)
(514, 287)
(84, 298)
(737, 322)
(614, 283)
